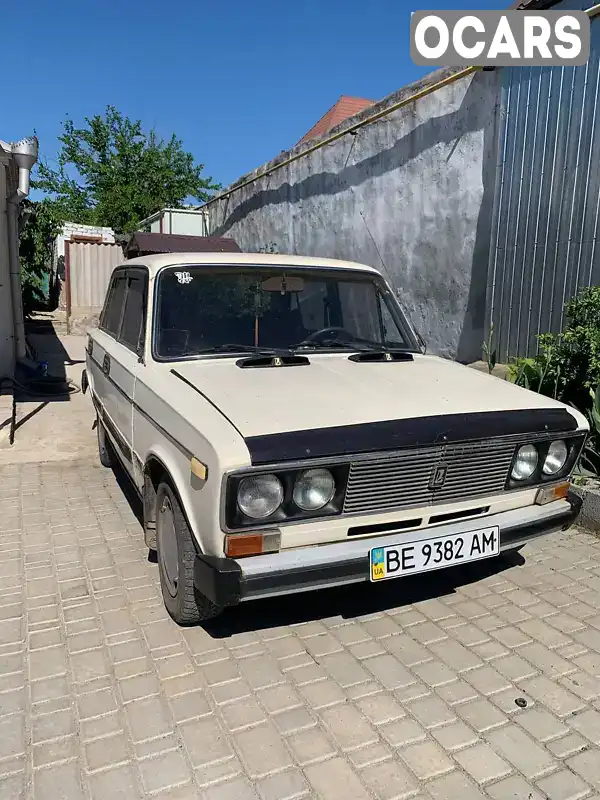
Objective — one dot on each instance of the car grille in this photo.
(402, 479)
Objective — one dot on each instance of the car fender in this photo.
(177, 468)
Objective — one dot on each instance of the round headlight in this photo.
(525, 462)
(259, 496)
(313, 489)
(556, 458)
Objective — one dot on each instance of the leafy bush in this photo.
(542, 373)
(567, 367)
(589, 463)
(36, 248)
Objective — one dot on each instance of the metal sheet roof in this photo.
(141, 244)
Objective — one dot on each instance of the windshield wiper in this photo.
(229, 347)
(330, 345)
(358, 347)
(363, 347)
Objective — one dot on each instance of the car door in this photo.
(122, 361)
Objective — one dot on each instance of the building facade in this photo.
(187, 221)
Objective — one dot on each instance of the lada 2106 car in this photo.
(286, 431)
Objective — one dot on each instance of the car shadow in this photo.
(131, 495)
(353, 600)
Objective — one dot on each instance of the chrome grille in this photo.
(402, 479)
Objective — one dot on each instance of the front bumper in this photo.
(227, 582)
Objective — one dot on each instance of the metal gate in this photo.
(545, 233)
(88, 267)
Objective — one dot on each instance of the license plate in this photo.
(408, 558)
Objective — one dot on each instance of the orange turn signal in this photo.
(550, 493)
(198, 469)
(239, 545)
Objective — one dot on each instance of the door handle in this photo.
(106, 364)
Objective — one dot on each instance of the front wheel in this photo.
(176, 554)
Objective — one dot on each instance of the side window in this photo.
(391, 335)
(132, 327)
(107, 299)
(359, 310)
(111, 315)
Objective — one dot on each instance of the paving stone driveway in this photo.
(385, 692)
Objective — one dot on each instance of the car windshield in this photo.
(203, 310)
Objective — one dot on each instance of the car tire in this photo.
(176, 553)
(105, 452)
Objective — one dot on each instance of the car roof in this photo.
(155, 262)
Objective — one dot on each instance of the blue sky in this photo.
(238, 81)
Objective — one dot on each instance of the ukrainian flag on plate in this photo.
(377, 564)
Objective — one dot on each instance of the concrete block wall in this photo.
(75, 229)
(411, 194)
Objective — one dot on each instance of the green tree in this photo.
(111, 172)
(36, 248)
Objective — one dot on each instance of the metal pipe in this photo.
(12, 213)
(593, 11)
(68, 283)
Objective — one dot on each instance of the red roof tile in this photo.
(344, 108)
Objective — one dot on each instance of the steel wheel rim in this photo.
(167, 546)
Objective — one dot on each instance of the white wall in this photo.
(75, 229)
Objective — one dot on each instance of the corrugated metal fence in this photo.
(88, 267)
(544, 243)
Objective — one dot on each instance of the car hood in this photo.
(333, 391)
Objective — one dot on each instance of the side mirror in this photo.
(422, 342)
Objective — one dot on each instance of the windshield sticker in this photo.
(183, 277)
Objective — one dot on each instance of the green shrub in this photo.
(567, 367)
(36, 248)
(589, 462)
(542, 373)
